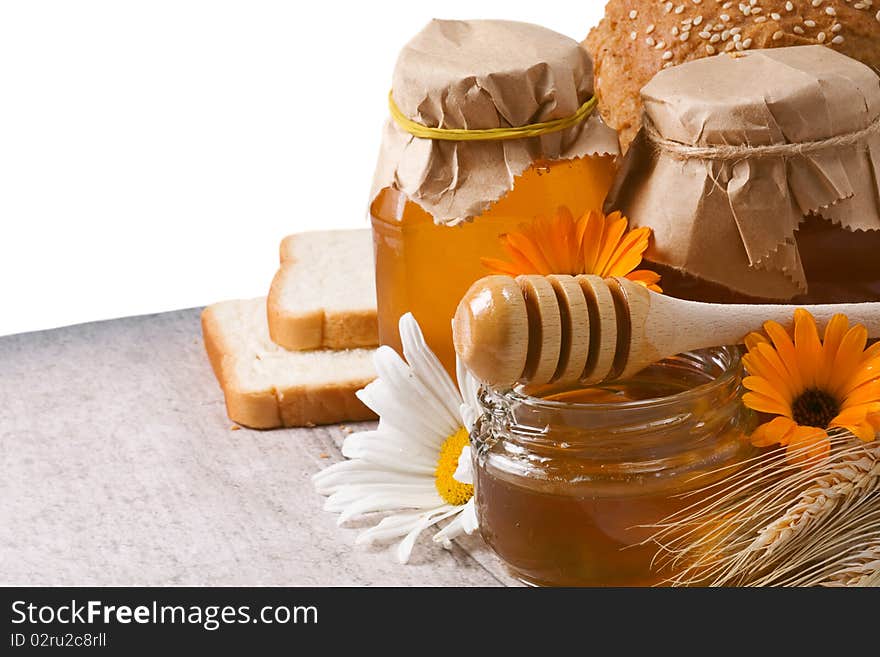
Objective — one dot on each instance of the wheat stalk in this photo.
(859, 569)
(774, 523)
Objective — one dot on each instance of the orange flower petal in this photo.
(500, 266)
(520, 262)
(865, 431)
(764, 361)
(867, 372)
(784, 347)
(774, 432)
(614, 231)
(868, 393)
(847, 359)
(850, 416)
(593, 236)
(807, 445)
(530, 252)
(763, 404)
(646, 277)
(807, 347)
(628, 254)
(874, 419)
(834, 332)
(762, 386)
(752, 340)
(871, 352)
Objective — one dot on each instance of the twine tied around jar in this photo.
(489, 134)
(732, 153)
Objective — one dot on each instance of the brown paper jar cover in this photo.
(483, 74)
(735, 221)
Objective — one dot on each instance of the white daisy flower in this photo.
(417, 462)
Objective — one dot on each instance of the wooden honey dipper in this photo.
(566, 329)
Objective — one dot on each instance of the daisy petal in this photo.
(469, 387)
(465, 522)
(469, 520)
(347, 495)
(428, 369)
(358, 471)
(391, 450)
(415, 392)
(389, 501)
(390, 527)
(404, 550)
(464, 472)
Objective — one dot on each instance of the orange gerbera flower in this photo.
(592, 244)
(812, 385)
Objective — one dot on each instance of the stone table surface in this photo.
(118, 466)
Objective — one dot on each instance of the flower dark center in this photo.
(815, 408)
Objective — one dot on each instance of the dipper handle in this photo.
(566, 329)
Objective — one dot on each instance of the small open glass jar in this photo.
(570, 484)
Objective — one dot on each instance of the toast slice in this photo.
(324, 294)
(267, 386)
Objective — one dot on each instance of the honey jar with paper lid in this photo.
(491, 127)
(759, 174)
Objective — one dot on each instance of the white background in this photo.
(154, 153)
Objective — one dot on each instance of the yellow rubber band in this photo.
(488, 134)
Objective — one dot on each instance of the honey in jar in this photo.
(571, 484)
(425, 268)
(447, 187)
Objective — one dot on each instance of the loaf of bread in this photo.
(267, 386)
(637, 38)
(324, 294)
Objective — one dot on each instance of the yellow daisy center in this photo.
(814, 408)
(451, 490)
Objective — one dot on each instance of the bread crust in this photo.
(623, 64)
(315, 329)
(272, 408)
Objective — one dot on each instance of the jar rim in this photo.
(732, 368)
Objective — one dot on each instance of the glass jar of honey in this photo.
(425, 268)
(491, 127)
(571, 484)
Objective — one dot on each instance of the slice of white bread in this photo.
(324, 294)
(267, 386)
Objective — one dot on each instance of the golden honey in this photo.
(425, 268)
(570, 485)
